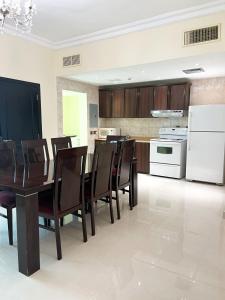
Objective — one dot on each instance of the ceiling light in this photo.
(194, 71)
(20, 13)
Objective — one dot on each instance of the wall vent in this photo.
(202, 35)
(73, 60)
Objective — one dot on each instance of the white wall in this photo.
(24, 60)
(153, 45)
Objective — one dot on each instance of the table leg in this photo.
(134, 184)
(28, 234)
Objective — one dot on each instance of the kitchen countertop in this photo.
(140, 139)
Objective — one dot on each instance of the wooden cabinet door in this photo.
(130, 103)
(161, 97)
(105, 104)
(180, 97)
(118, 103)
(145, 102)
(142, 152)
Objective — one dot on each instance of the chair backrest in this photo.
(36, 157)
(7, 161)
(115, 138)
(60, 143)
(69, 178)
(126, 154)
(102, 164)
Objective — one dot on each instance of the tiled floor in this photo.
(171, 247)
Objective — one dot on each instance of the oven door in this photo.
(165, 152)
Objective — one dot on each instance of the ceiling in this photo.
(61, 20)
(214, 65)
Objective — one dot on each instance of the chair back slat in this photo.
(102, 169)
(7, 161)
(126, 154)
(36, 157)
(69, 178)
(60, 143)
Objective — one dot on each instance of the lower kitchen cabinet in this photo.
(142, 152)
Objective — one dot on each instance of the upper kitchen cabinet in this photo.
(145, 102)
(105, 104)
(131, 103)
(161, 97)
(179, 97)
(118, 103)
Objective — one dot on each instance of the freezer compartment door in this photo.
(206, 118)
(205, 157)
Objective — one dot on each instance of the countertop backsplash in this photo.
(142, 127)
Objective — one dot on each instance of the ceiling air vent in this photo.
(73, 60)
(202, 35)
(194, 71)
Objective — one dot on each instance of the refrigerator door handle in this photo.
(189, 144)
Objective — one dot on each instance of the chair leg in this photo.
(92, 218)
(111, 208)
(10, 225)
(117, 204)
(62, 222)
(58, 240)
(130, 197)
(84, 224)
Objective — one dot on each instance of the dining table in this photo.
(27, 185)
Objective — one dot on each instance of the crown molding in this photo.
(163, 19)
(29, 37)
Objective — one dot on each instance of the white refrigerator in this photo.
(206, 143)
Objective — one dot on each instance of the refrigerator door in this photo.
(205, 157)
(206, 118)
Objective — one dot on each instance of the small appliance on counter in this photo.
(206, 143)
(168, 153)
(103, 132)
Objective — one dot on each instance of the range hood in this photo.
(167, 113)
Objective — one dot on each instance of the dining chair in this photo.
(68, 196)
(60, 143)
(35, 152)
(100, 185)
(122, 175)
(115, 138)
(7, 174)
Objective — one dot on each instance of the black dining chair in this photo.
(100, 185)
(68, 196)
(60, 143)
(122, 173)
(115, 138)
(7, 174)
(35, 155)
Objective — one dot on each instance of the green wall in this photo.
(75, 115)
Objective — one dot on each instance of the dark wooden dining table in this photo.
(26, 185)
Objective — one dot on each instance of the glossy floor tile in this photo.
(170, 247)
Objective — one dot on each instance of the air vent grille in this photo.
(202, 35)
(73, 60)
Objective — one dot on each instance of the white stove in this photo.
(168, 153)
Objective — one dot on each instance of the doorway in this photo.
(75, 117)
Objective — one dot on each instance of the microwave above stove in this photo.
(103, 132)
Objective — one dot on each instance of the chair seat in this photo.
(7, 199)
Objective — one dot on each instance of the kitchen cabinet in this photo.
(179, 97)
(142, 153)
(161, 95)
(105, 103)
(118, 103)
(130, 103)
(145, 102)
